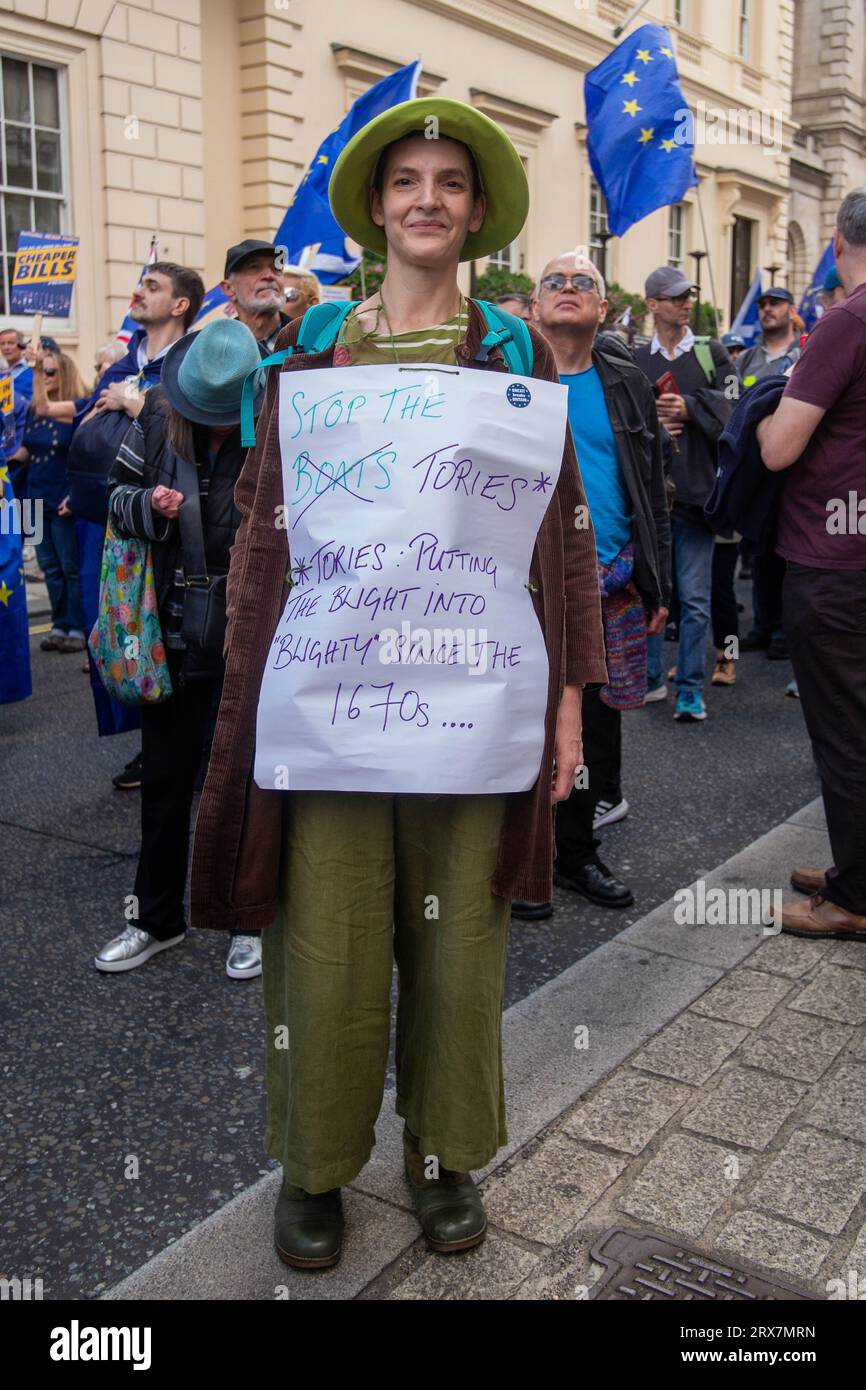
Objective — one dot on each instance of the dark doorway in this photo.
(741, 262)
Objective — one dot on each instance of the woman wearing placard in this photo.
(340, 881)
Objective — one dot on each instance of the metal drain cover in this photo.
(641, 1266)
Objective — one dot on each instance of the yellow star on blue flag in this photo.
(639, 173)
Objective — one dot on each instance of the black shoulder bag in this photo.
(203, 626)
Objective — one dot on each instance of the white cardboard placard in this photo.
(409, 657)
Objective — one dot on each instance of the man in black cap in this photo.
(694, 409)
(253, 283)
(779, 346)
(778, 349)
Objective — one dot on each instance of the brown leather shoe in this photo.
(725, 672)
(807, 879)
(819, 917)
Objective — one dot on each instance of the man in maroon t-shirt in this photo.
(818, 433)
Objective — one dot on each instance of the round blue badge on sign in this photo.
(518, 394)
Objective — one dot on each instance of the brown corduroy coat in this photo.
(238, 835)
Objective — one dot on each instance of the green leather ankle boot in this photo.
(449, 1207)
(308, 1227)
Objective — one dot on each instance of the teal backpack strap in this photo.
(319, 328)
(321, 324)
(248, 418)
(703, 353)
(509, 333)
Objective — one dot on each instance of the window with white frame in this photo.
(681, 16)
(511, 258)
(676, 235)
(506, 259)
(598, 228)
(32, 193)
(743, 26)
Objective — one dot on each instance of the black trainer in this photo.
(130, 777)
(596, 882)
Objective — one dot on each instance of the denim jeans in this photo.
(692, 556)
(57, 554)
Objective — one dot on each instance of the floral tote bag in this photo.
(126, 642)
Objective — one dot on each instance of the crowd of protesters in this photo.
(646, 416)
(667, 437)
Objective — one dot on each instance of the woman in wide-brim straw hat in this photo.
(339, 881)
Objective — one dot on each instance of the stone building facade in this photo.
(195, 119)
(829, 106)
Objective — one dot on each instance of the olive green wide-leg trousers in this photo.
(366, 880)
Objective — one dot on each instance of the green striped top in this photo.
(434, 344)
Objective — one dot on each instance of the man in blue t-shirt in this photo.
(612, 415)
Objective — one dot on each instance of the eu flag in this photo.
(641, 134)
(309, 218)
(810, 310)
(14, 633)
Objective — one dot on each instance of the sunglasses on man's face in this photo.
(683, 298)
(770, 303)
(577, 282)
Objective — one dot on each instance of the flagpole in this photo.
(709, 257)
(635, 11)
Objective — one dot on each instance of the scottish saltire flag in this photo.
(14, 634)
(309, 219)
(747, 323)
(641, 133)
(810, 309)
(128, 327)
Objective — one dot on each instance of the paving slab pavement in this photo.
(703, 1083)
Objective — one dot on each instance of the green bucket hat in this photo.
(503, 178)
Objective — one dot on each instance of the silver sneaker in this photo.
(131, 948)
(609, 812)
(244, 961)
